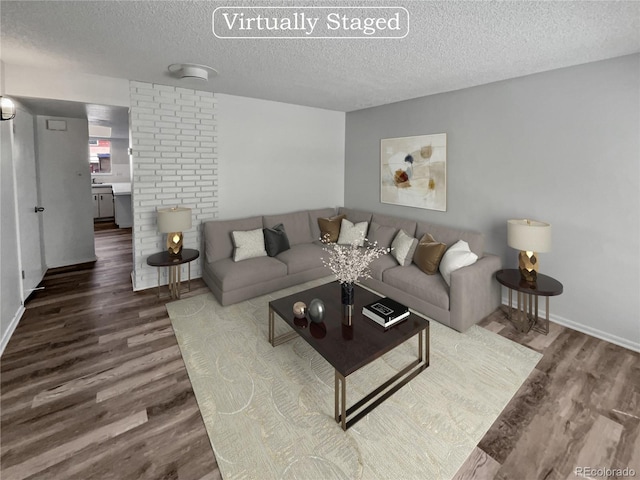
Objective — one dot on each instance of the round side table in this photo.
(526, 317)
(165, 259)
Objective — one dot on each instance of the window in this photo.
(100, 155)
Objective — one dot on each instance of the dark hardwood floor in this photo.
(93, 386)
(92, 381)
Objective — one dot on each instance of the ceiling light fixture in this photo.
(191, 71)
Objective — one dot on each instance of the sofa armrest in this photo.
(474, 292)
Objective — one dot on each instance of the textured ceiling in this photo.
(451, 45)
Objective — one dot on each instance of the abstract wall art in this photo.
(414, 171)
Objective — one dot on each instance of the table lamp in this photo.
(173, 221)
(530, 237)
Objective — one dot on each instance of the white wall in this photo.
(65, 188)
(10, 303)
(277, 158)
(65, 85)
(561, 146)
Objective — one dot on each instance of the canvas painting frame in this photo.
(413, 171)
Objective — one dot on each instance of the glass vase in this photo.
(347, 302)
(347, 293)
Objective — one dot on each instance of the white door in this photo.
(26, 188)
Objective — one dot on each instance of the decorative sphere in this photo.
(315, 310)
(299, 309)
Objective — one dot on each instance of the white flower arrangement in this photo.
(351, 262)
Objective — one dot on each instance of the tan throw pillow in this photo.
(330, 228)
(428, 254)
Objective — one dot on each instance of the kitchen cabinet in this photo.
(102, 202)
(122, 204)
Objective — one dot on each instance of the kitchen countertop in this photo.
(118, 188)
(121, 188)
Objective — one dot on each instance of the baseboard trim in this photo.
(12, 327)
(594, 332)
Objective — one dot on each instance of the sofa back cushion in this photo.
(409, 226)
(217, 236)
(449, 236)
(313, 220)
(381, 235)
(355, 216)
(296, 225)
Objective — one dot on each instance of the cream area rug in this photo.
(269, 411)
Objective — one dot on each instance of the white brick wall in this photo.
(173, 133)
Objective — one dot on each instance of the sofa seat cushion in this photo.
(230, 275)
(380, 264)
(413, 281)
(302, 257)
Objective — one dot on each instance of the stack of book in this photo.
(385, 312)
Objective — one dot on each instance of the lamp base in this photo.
(528, 266)
(174, 243)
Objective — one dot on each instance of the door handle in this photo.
(38, 209)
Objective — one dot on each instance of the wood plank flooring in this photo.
(93, 386)
(92, 381)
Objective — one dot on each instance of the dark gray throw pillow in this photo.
(275, 240)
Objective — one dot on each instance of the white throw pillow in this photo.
(403, 247)
(457, 256)
(249, 244)
(352, 234)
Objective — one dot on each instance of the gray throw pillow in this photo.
(275, 240)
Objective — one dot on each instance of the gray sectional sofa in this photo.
(473, 293)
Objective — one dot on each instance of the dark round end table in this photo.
(165, 259)
(526, 317)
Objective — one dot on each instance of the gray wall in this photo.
(65, 189)
(560, 146)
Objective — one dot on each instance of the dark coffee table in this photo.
(349, 344)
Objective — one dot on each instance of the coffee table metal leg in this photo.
(370, 401)
(158, 269)
(271, 327)
(336, 413)
(285, 337)
(341, 400)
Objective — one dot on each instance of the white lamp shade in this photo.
(529, 235)
(176, 219)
